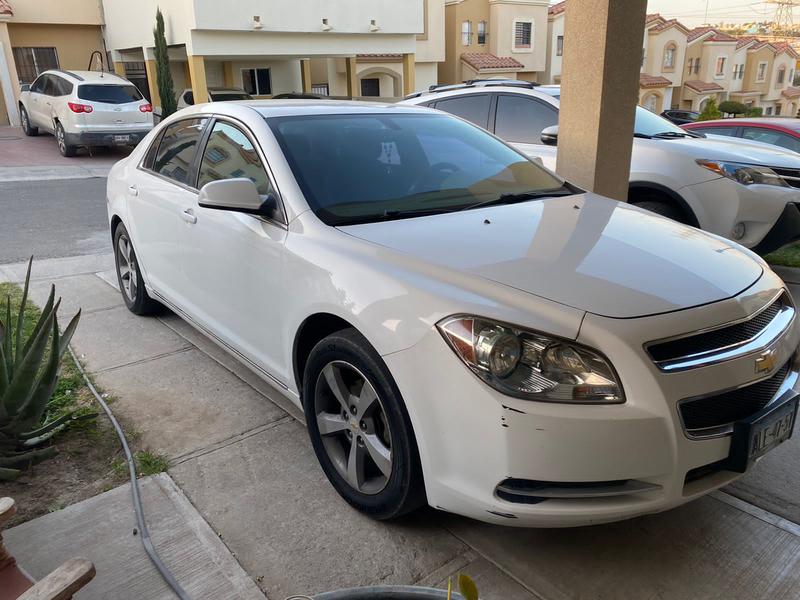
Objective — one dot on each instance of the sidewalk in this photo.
(242, 457)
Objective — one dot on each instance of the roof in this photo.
(275, 108)
(481, 61)
(90, 76)
(380, 55)
(791, 92)
(653, 81)
(557, 8)
(698, 32)
(744, 41)
(664, 25)
(709, 34)
(785, 47)
(5, 8)
(703, 86)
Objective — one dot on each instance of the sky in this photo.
(692, 12)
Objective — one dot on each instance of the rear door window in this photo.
(177, 150)
(521, 119)
(729, 131)
(109, 93)
(474, 108)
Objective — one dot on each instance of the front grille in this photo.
(716, 339)
(717, 411)
(790, 176)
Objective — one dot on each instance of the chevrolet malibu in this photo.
(460, 326)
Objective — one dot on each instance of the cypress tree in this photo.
(166, 89)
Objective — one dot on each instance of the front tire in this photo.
(61, 139)
(25, 121)
(662, 208)
(359, 427)
(129, 275)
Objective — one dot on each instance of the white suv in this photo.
(85, 108)
(739, 190)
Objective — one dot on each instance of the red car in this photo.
(778, 131)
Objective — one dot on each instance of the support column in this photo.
(117, 63)
(352, 77)
(152, 76)
(186, 74)
(197, 73)
(9, 82)
(119, 69)
(305, 72)
(599, 89)
(409, 70)
(227, 73)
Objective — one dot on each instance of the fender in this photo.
(649, 185)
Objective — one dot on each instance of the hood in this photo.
(584, 251)
(730, 149)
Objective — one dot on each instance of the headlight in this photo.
(530, 365)
(744, 174)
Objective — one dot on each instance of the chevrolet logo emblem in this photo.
(765, 361)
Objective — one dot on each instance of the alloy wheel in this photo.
(128, 270)
(352, 424)
(60, 139)
(24, 117)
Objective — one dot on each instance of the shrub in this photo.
(732, 107)
(710, 112)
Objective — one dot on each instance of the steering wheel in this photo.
(435, 175)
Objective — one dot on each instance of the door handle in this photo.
(189, 216)
(133, 190)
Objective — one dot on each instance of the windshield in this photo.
(110, 94)
(358, 168)
(650, 124)
(223, 96)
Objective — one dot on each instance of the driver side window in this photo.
(230, 154)
(38, 85)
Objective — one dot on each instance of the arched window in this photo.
(669, 55)
(650, 102)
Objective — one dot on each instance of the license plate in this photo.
(754, 437)
(122, 139)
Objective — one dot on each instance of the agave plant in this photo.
(29, 370)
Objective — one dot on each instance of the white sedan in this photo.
(462, 327)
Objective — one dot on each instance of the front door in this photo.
(520, 120)
(36, 105)
(233, 262)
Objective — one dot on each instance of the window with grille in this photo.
(560, 45)
(320, 89)
(481, 32)
(466, 33)
(33, 61)
(522, 34)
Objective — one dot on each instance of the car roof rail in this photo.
(473, 83)
(70, 73)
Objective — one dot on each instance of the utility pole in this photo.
(783, 21)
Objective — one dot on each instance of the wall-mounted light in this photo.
(325, 25)
(257, 22)
(373, 26)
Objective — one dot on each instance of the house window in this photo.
(768, 110)
(738, 71)
(370, 86)
(522, 34)
(697, 65)
(466, 33)
(781, 75)
(720, 71)
(669, 56)
(560, 45)
(481, 32)
(778, 109)
(761, 74)
(32, 61)
(257, 82)
(320, 89)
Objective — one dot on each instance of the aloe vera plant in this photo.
(29, 371)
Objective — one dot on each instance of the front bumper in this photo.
(472, 438)
(785, 230)
(106, 138)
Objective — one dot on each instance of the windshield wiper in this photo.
(673, 134)
(519, 197)
(636, 134)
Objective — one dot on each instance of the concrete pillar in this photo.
(305, 72)
(197, 73)
(9, 81)
(119, 68)
(409, 70)
(599, 90)
(187, 75)
(152, 80)
(352, 76)
(227, 73)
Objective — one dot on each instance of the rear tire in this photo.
(367, 450)
(61, 139)
(25, 121)
(129, 275)
(665, 209)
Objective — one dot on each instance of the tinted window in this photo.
(57, 86)
(229, 96)
(38, 85)
(110, 94)
(473, 108)
(370, 167)
(521, 119)
(730, 131)
(770, 136)
(230, 154)
(177, 149)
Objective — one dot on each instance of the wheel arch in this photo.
(639, 190)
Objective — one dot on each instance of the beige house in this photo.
(494, 38)
(555, 43)
(663, 53)
(707, 68)
(43, 34)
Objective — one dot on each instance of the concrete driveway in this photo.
(241, 456)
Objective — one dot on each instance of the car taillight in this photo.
(79, 108)
(146, 107)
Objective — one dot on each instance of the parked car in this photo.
(743, 191)
(461, 326)
(680, 117)
(85, 108)
(776, 131)
(215, 94)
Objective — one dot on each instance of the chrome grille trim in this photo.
(766, 336)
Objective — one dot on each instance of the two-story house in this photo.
(663, 52)
(494, 38)
(40, 35)
(707, 68)
(555, 43)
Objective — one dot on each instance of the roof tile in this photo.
(483, 60)
(653, 81)
(703, 86)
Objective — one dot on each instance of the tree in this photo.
(754, 111)
(710, 112)
(731, 107)
(166, 89)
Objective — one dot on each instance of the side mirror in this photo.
(25, 87)
(237, 195)
(550, 135)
